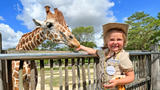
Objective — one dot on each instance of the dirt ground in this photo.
(56, 79)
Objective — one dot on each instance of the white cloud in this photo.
(125, 18)
(76, 12)
(9, 37)
(1, 18)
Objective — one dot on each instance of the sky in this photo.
(16, 15)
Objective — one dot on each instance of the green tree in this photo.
(85, 35)
(144, 31)
(48, 45)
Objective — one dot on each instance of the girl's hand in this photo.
(87, 49)
(81, 47)
(113, 83)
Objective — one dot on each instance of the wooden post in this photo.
(78, 74)
(51, 75)
(84, 74)
(60, 75)
(1, 80)
(155, 69)
(89, 75)
(5, 71)
(42, 75)
(9, 72)
(73, 75)
(66, 75)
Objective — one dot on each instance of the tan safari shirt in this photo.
(113, 67)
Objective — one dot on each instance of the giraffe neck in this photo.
(31, 40)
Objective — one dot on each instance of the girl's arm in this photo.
(128, 79)
(87, 49)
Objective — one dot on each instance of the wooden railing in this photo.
(77, 70)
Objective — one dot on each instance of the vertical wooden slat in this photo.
(21, 75)
(148, 63)
(94, 75)
(9, 66)
(73, 75)
(42, 74)
(138, 70)
(66, 75)
(144, 66)
(139, 61)
(89, 75)
(136, 67)
(97, 73)
(51, 71)
(78, 74)
(140, 65)
(6, 73)
(83, 74)
(33, 82)
(60, 75)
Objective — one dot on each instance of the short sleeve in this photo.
(125, 63)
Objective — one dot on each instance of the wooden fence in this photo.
(76, 71)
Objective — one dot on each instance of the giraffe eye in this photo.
(49, 25)
(71, 37)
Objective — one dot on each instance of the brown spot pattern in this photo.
(55, 36)
(15, 74)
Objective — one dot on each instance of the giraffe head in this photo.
(55, 28)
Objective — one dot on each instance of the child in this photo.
(115, 67)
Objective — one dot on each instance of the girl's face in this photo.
(115, 41)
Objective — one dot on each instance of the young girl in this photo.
(115, 67)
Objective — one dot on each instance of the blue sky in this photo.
(9, 12)
(16, 15)
(125, 8)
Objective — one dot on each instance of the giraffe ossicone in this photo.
(54, 28)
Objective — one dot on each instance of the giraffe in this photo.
(54, 28)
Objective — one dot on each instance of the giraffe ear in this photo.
(37, 22)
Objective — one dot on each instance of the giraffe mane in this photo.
(35, 30)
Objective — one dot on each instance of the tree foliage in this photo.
(144, 31)
(85, 35)
(48, 45)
